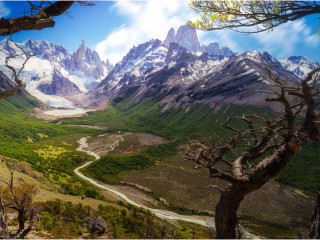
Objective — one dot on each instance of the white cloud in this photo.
(4, 10)
(283, 41)
(146, 19)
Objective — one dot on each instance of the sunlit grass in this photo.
(50, 152)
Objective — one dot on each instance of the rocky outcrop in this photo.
(89, 62)
(186, 37)
(171, 37)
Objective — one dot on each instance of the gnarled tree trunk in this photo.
(226, 212)
(315, 221)
(230, 199)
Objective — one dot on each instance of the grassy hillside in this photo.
(66, 216)
(48, 147)
(17, 104)
(177, 123)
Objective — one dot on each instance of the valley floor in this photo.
(141, 154)
(173, 184)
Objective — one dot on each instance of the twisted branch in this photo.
(20, 84)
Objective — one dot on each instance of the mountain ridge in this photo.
(81, 70)
(181, 77)
(179, 70)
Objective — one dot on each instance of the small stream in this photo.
(164, 214)
(158, 212)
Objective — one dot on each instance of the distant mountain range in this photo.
(55, 74)
(177, 72)
(180, 72)
(180, 78)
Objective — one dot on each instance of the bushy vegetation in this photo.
(107, 168)
(32, 140)
(67, 220)
(162, 151)
(19, 133)
(304, 170)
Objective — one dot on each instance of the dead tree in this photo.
(17, 197)
(4, 231)
(16, 72)
(265, 146)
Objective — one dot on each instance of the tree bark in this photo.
(226, 212)
(4, 232)
(43, 19)
(21, 219)
(315, 221)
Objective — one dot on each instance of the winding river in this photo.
(164, 214)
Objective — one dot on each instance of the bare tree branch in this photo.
(263, 148)
(43, 19)
(250, 16)
(20, 84)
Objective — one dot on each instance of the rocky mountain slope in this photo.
(54, 74)
(177, 76)
(152, 69)
(177, 72)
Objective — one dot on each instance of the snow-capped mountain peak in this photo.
(53, 67)
(299, 65)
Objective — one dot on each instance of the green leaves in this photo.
(249, 16)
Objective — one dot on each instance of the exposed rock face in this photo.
(89, 62)
(59, 86)
(187, 37)
(171, 37)
(5, 82)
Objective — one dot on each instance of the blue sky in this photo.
(113, 27)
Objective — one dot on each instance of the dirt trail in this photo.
(164, 214)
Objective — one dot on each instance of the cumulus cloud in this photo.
(145, 20)
(284, 40)
(4, 10)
